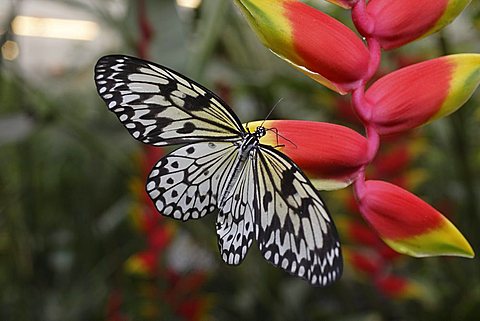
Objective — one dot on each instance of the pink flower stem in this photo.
(361, 105)
(361, 19)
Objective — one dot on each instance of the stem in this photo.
(361, 19)
(361, 105)
(359, 185)
(375, 57)
(373, 144)
(373, 139)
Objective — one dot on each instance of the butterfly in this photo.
(260, 194)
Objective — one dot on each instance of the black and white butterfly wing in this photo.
(187, 182)
(295, 231)
(161, 107)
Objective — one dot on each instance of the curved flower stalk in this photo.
(331, 53)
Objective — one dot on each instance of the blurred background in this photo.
(79, 239)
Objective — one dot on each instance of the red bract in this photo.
(364, 263)
(417, 94)
(313, 42)
(328, 153)
(396, 23)
(327, 47)
(386, 205)
(408, 224)
(410, 96)
(392, 286)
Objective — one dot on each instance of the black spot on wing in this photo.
(287, 182)
(196, 103)
(267, 198)
(163, 122)
(187, 128)
(304, 205)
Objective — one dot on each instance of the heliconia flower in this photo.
(395, 161)
(420, 93)
(364, 263)
(398, 287)
(160, 237)
(330, 154)
(193, 309)
(408, 224)
(347, 4)
(359, 234)
(313, 42)
(114, 306)
(143, 263)
(399, 22)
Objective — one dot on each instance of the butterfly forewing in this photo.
(161, 107)
(295, 231)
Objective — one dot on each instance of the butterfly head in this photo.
(260, 132)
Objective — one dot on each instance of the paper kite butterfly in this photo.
(259, 192)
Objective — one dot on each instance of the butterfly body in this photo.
(259, 193)
(247, 149)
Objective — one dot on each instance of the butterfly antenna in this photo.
(275, 130)
(271, 111)
(288, 140)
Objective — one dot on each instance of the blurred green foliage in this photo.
(66, 165)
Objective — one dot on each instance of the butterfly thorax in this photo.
(250, 142)
(247, 147)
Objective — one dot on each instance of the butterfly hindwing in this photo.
(161, 107)
(186, 183)
(295, 231)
